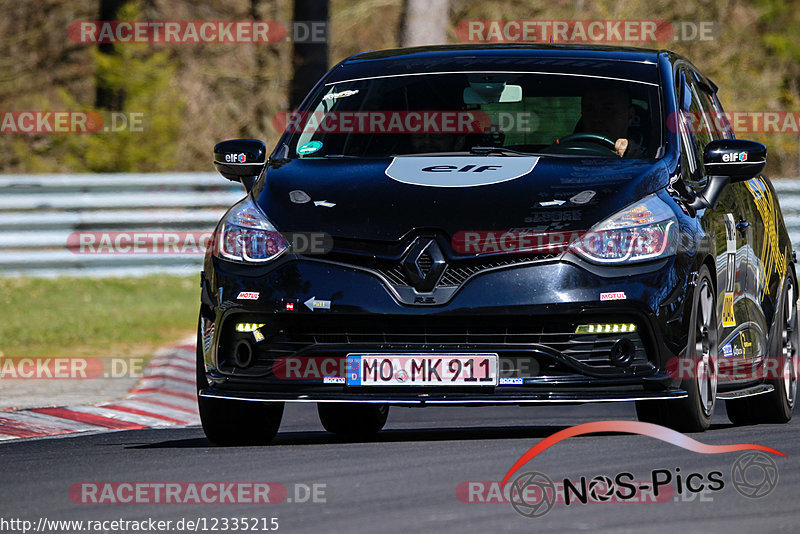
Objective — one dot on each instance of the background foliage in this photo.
(193, 95)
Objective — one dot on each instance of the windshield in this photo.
(543, 113)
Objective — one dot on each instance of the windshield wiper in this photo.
(484, 150)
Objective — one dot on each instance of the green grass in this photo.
(95, 317)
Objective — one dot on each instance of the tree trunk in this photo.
(424, 22)
(267, 66)
(109, 97)
(310, 50)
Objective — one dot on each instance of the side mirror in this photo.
(240, 160)
(735, 158)
(728, 161)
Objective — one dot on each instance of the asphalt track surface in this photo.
(405, 480)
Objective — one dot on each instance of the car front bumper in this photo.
(526, 314)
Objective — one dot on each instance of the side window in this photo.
(687, 124)
(715, 123)
(702, 123)
(724, 126)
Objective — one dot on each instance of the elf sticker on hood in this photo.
(459, 171)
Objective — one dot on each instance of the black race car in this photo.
(484, 225)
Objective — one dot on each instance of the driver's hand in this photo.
(625, 148)
(621, 146)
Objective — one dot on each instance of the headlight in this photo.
(646, 230)
(245, 235)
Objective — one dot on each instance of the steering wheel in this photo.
(602, 140)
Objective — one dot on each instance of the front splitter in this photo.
(423, 399)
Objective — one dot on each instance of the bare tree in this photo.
(424, 22)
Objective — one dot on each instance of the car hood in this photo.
(386, 199)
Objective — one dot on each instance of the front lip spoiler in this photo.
(448, 399)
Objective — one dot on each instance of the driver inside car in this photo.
(609, 112)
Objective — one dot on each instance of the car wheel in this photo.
(234, 422)
(693, 413)
(352, 420)
(777, 405)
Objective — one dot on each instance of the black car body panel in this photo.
(373, 207)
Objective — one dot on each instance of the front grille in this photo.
(457, 272)
(511, 337)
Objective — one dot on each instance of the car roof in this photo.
(488, 51)
(637, 64)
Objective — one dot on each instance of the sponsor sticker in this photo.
(728, 318)
(340, 94)
(309, 148)
(727, 350)
(247, 295)
(511, 380)
(333, 380)
(615, 295)
(734, 157)
(235, 158)
(462, 171)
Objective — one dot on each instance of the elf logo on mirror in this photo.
(235, 158)
(465, 168)
(735, 156)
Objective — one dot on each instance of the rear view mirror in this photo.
(492, 93)
(240, 160)
(735, 158)
(728, 161)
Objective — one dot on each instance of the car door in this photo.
(732, 239)
(758, 223)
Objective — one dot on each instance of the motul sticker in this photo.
(616, 295)
(247, 295)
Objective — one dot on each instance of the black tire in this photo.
(777, 405)
(353, 420)
(234, 422)
(693, 413)
(740, 411)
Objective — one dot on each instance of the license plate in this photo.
(421, 370)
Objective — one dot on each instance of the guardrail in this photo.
(39, 213)
(788, 191)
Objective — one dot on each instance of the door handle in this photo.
(742, 227)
